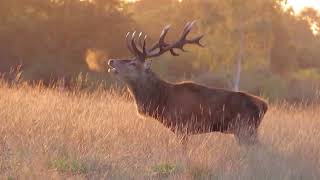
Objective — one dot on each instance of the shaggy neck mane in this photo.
(150, 94)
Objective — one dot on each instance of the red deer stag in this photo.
(186, 108)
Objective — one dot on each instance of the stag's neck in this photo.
(150, 94)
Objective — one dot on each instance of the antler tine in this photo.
(187, 30)
(163, 47)
(140, 40)
(138, 53)
(183, 38)
(163, 36)
(128, 44)
(142, 52)
(197, 40)
(173, 53)
(144, 48)
(160, 44)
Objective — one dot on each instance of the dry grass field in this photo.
(52, 134)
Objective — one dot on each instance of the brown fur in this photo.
(186, 108)
(189, 108)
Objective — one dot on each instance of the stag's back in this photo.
(188, 101)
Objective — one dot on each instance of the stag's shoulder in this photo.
(201, 90)
(199, 87)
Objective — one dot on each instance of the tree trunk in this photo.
(240, 56)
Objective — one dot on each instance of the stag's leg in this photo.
(247, 135)
(182, 134)
(183, 138)
(246, 131)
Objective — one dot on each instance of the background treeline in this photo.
(255, 46)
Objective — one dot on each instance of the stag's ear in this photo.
(147, 65)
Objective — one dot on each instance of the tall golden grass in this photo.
(53, 134)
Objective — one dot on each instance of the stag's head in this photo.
(138, 67)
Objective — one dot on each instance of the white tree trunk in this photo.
(240, 56)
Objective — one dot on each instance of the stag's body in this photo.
(187, 108)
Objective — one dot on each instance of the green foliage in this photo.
(61, 165)
(164, 169)
(307, 74)
(65, 165)
(10, 178)
(77, 167)
(274, 38)
(200, 173)
(51, 38)
(60, 39)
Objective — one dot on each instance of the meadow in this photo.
(55, 134)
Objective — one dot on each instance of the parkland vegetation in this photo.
(262, 47)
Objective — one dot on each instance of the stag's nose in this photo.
(111, 62)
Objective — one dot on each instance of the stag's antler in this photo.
(161, 47)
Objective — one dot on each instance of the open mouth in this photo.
(112, 70)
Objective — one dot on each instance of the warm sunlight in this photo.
(130, 0)
(298, 5)
(106, 89)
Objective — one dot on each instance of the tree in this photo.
(51, 38)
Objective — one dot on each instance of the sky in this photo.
(298, 5)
